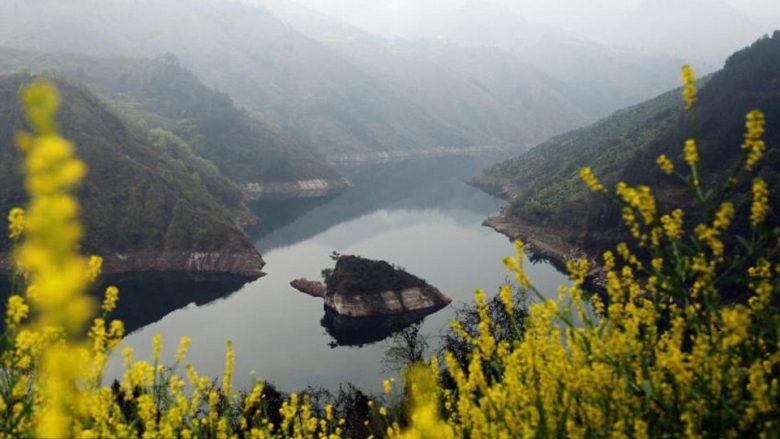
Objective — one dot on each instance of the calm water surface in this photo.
(418, 215)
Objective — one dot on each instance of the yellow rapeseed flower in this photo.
(95, 267)
(111, 299)
(689, 86)
(157, 346)
(760, 205)
(181, 350)
(506, 298)
(15, 311)
(640, 198)
(691, 152)
(753, 144)
(230, 361)
(673, 224)
(665, 164)
(15, 222)
(586, 174)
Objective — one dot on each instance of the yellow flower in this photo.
(753, 143)
(665, 164)
(760, 205)
(586, 174)
(506, 298)
(112, 296)
(157, 347)
(95, 267)
(689, 86)
(724, 217)
(387, 386)
(230, 360)
(673, 224)
(16, 311)
(181, 350)
(691, 152)
(15, 222)
(640, 198)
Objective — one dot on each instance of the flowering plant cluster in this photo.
(684, 339)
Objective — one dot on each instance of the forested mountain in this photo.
(146, 206)
(169, 101)
(383, 101)
(544, 185)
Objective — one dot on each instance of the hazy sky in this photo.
(396, 16)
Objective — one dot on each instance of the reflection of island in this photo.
(148, 297)
(414, 184)
(367, 300)
(359, 331)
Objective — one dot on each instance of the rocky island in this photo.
(360, 287)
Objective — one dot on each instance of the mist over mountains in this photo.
(494, 81)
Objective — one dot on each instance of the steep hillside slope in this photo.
(143, 209)
(162, 96)
(543, 186)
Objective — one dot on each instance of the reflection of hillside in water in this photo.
(431, 184)
(145, 298)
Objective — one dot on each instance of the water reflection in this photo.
(148, 297)
(361, 331)
(411, 185)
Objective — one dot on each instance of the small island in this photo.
(360, 287)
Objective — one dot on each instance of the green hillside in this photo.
(161, 96)
(145, 206)
(544, 185)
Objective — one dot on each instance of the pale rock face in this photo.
(387, 303)
(312, 288)
(295, 189)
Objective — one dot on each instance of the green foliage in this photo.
(356, 275)
(161, 94)
(140, 196)
(545, 184)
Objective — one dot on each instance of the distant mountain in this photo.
(392, 102)
(603, 78)
(703, 32)
(162, 96)
(545, 192)
(491, 47)
(146, 206)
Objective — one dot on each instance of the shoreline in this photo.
(547, 246)
(541, 241)
(312, 188)
(196, 263)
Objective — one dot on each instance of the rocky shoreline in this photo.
(244, 264)
(312, 188)
(381, 157)
(541, 241)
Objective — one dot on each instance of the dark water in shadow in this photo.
(418, 215)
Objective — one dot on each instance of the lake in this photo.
(418, 215)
